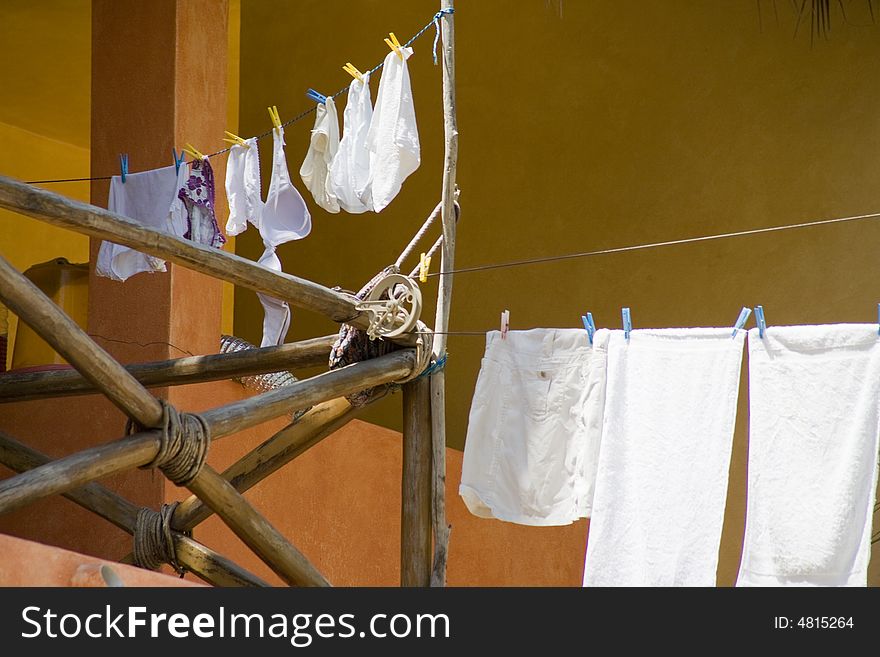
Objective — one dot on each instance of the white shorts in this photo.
(535, 426)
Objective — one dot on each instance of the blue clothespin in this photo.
(589, 325)
(741, 320)
(123, 165)
(314, 95)
(178, 160)
(759, 318)
(627, 323)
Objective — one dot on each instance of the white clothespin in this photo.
(741, 320)
(505, 324)
(627, 323)
(759, 318)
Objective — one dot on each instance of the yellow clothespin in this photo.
(189, 148)
(353, 72)
(424, 264)
(394, 44)
(234, 139)
(276, 119)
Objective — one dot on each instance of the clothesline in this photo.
(434, 21)
(651, 245)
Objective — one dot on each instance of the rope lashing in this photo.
(153, 543)
(424, 343)
(183, 445)
(437, 16)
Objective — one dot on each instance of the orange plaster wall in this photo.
(340, 504)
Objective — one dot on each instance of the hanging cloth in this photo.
(243, 191)
(350, 170)
(813, 439)
(197, 194)
(149, 198)
(532, 437)
(284, 218)
(393, 138)
(323, 145)
(661, 484)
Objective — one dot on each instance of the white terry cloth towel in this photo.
(148, 198)
(284, 218)
(393, 138)
(661, 484)
(323, 145)
(526, 441)
(813, 439)
(350, 170)
(243, 187)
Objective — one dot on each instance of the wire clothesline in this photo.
(639, 247)
(652, 245)
(435, 21)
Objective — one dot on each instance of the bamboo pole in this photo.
(441, 528)
(141, 448)
(103, 224)
(202, 561)
(292, 441)
(345, 381)
(55, 327)
(65, 474)
(179, 371)
(415, 522)
(256, 532)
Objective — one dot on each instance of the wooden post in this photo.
(69, 340)
(415, 521)
(204, 562)
(178, 371)
(444, 298)
(141, 448)
(256, 532)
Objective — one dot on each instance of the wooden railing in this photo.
(74, 476)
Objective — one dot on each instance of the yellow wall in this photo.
(587, 125)
(45, 76)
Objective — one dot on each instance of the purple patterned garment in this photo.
(198, 199)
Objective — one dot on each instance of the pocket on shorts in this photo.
(529, 391)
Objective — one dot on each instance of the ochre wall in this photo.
(45, 51)
(589, 125)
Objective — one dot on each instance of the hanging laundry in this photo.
(150, 199)
(667, 434)
(243, 192)
(350, 170)
(813, 440)
(527, 456)
(197, 194)
(284, 218)
(393, 138)
(323, 145)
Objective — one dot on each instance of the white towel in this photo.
(661, 484)
(350, 170)
(813, 439)
(393, 138)
(243, 187)
(315, 169)
(150, 199)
